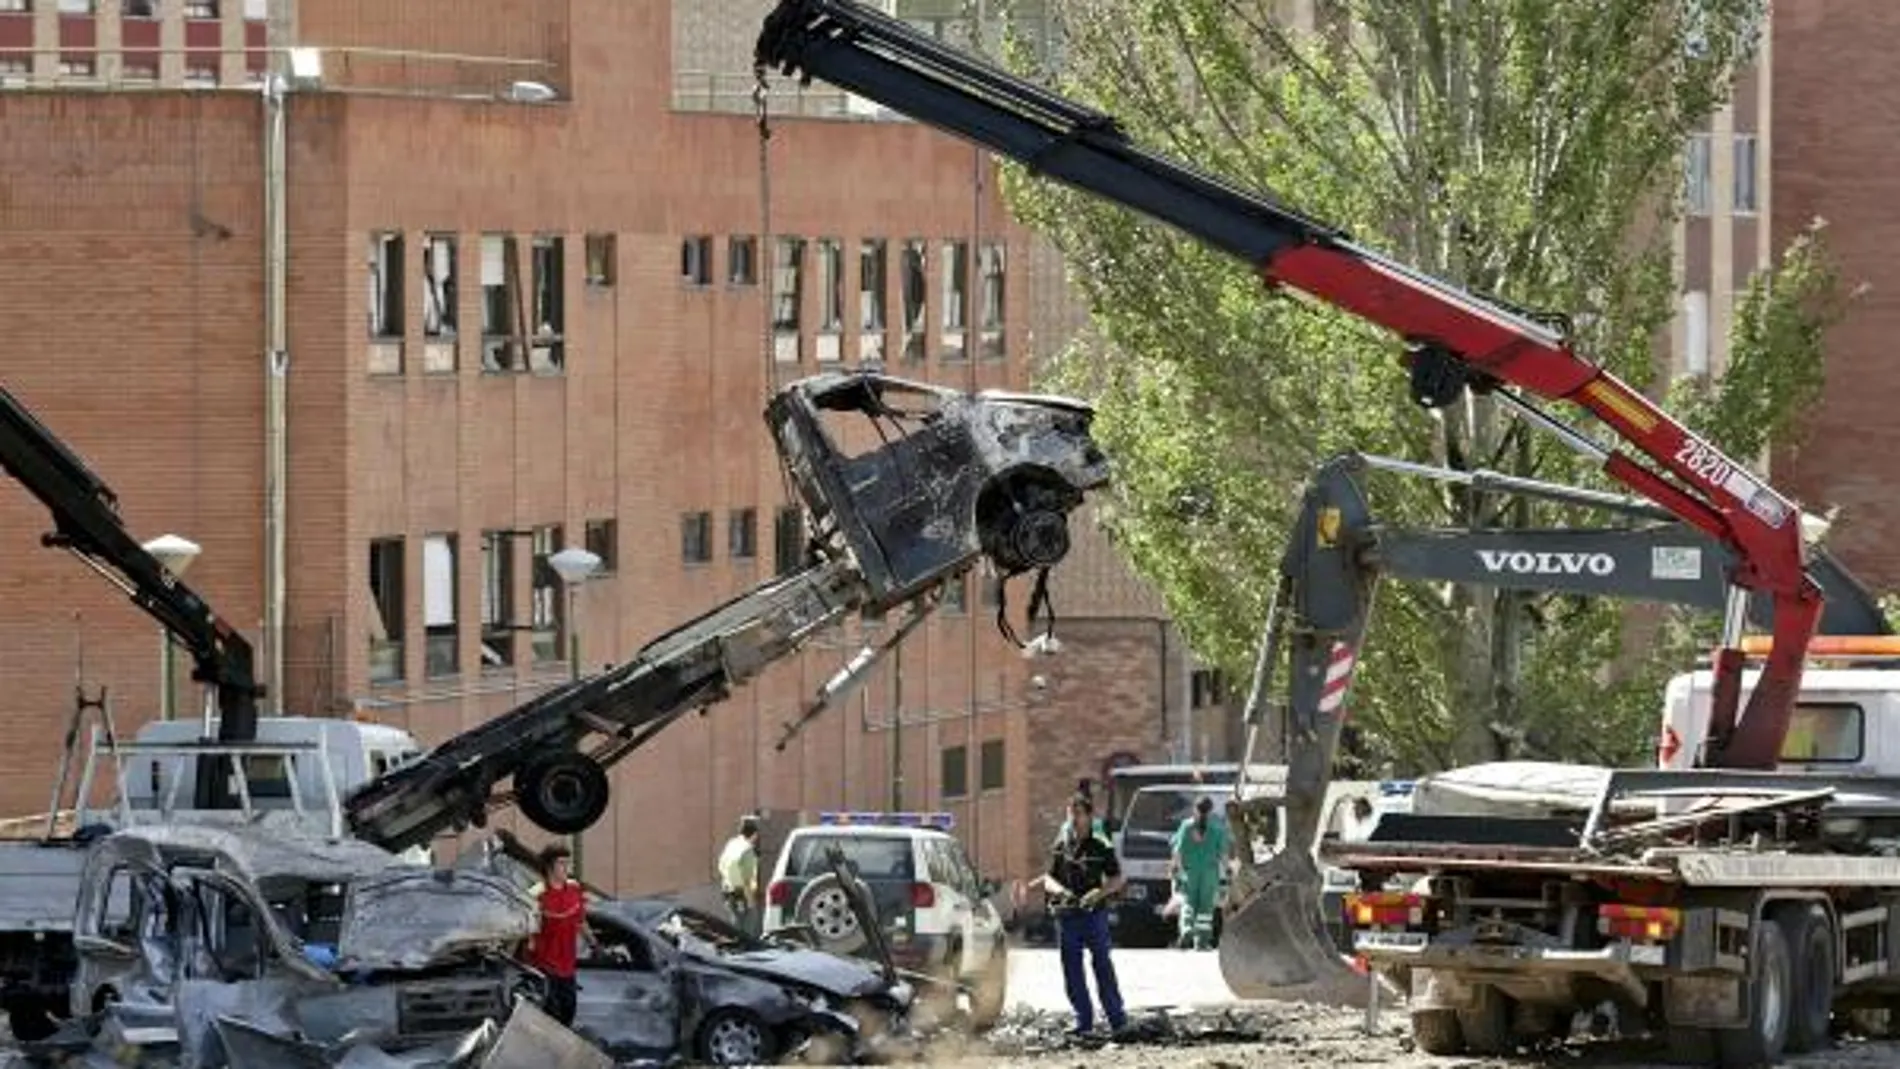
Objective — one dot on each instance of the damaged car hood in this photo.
(411, 918)
(814, 968)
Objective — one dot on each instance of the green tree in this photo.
(1517, 147)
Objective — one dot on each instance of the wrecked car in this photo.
(182, 931)
(660, 977)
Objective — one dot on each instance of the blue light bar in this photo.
(941, 821)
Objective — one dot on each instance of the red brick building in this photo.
(550, 173)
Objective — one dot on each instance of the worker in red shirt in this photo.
(555, 949)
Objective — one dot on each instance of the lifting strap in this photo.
(1039, 604)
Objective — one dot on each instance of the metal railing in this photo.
(730, 93)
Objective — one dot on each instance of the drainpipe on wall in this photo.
(276, 367)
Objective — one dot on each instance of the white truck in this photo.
(295, 774)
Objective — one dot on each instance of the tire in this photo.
(1487, 1025)
(1812, 968)
(31, 1021)
(1770, 1004)
(824, 908)
(563, 793)
(735, 1037)
(1436, 1032)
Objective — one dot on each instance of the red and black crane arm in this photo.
(1455, 340)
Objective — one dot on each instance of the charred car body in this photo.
(661, 977)
(183, 931)
(957, 478)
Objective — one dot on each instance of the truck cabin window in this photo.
(1825, 733)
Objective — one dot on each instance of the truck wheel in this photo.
(1436, 1032)
(1487, 1025)
(31, 1021)
(563, 793)
(1811, 941)
(1770, 1004)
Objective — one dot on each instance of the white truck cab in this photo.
(1847, 721)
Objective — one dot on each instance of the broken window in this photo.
(956, 295)
(742, 534)
(201, 9)
(438, 286)
(386, 604)
(696, 260)
(148, 9)
(545, 606)
(500, 282)
(498, 599)
(954, 772)
(441, 656)
(788, 292)
(915, 281)
(603, 541)
(742, 260)
(550, 304)
(990, 765)
(831, 297)
(992, 317)
(788, 540)
(871, 276)
(696, 537)
(385, 285)
(601, 260)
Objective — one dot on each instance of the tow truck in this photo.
(960, 478)
(228, 765)
(1759, 896)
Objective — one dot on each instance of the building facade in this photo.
(536, 292)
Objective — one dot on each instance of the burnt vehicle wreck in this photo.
(947, 480)
(661, 977)
(244, 946)
(661, 980)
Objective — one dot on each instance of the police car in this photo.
(935, 911)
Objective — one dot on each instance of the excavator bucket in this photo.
(1274, 943)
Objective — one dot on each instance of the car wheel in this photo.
(564, 793)
(735, 1037)
(824, 908)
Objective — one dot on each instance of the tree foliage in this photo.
(1522, 148)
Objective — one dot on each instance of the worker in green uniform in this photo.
(1200, 846)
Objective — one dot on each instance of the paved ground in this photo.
(1213, 1031)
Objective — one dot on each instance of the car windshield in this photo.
(1157, 811)
(875, 857)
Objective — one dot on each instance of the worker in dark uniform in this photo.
(1083, 873)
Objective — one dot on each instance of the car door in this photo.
(628, 1002)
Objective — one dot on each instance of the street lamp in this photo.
(575, 566)
(176, 554)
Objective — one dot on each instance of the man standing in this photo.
(555, 949)
(1200, 847)
(739, 875)
(1083, 872)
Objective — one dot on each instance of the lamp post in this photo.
(176, 554)
(575, 566)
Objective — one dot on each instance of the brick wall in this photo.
(1829, 161)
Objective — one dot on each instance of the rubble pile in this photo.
(1025, 1032)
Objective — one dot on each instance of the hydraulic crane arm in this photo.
(1335, 557)
(86, 522)
(960, 477)
(1455, 340)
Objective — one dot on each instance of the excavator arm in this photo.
(1337, 554)
(86, 522)
(1454, 340)
(959, 478)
